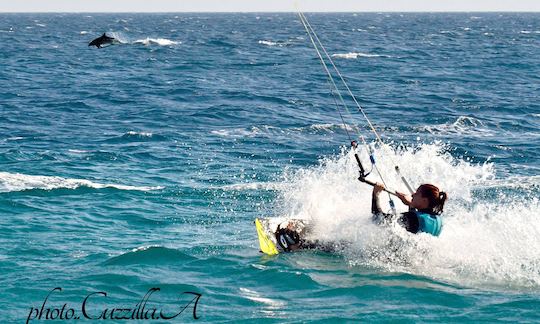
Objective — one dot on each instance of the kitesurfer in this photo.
(425, 207)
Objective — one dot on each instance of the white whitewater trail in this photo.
(489, 238)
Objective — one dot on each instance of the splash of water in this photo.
(490, 234)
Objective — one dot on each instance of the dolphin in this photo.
(101, 40)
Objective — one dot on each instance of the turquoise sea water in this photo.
(143, 164)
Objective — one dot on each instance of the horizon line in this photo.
(277, 11)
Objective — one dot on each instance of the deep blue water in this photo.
(143, 164)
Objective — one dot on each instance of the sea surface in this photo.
(143, 165)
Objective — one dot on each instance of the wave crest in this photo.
(355, 55)
(12, 182)
(156, 41)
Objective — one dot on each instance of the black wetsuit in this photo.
(409, 219)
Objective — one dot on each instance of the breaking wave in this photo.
(355, 55)
(156, 41)
(463, 125)
(10, 182)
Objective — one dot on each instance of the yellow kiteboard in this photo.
(266, 244)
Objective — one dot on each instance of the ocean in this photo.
(143, 165)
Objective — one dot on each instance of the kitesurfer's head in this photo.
(429, 198)
(288, 239)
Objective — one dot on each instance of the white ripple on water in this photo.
(141, 134)
(248, 132)
(355, 55)
(275, 43)
(268, 43)
(156, 41)
(16, 138)
(273, 130)
(256, 297)
(10, 182)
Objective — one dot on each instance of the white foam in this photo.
(463, 125)
(236, 132)
(354, 55)
(10, 182)
(275, 43)
(247, 132)
(119, 37)
(331, 127)
(253, 186)
(268, 43)
(486, 240)
(272, 130)
(157, 41)
(78, 151)
(141, 134)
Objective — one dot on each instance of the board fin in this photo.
(265, 243)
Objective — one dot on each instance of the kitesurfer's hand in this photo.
(377, 188)
(405, 199)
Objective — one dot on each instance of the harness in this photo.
(427, 223)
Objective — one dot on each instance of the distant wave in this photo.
(272, 130)
(15, 138)
(331, 128)
(139, 134)
(354, 55)
(151, 254)
(135, 136)
(156, 41)
(276, 43)
(247, 132)
(267, 42)
(10, 182)
(464, 125)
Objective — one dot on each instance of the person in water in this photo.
(425, 207)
